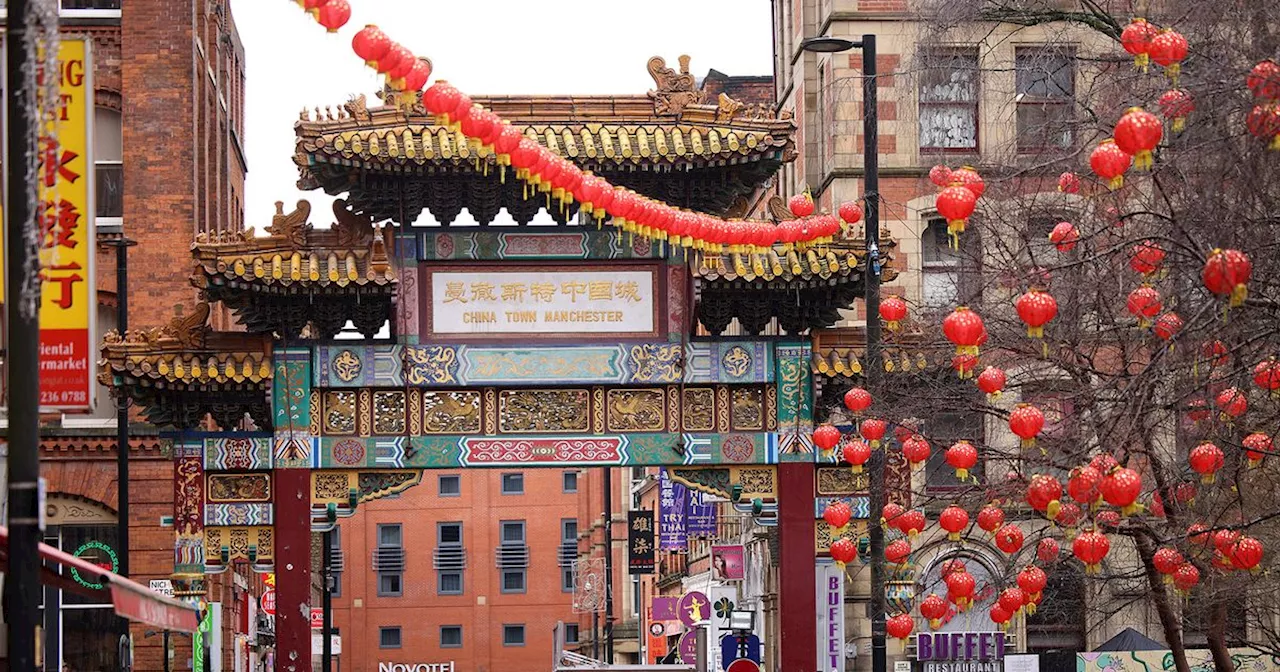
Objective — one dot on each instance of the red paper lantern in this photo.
(334, 14)
(1121, 488)
(1147, 257)
(940, 175)
(1186, 577)
(1091, 548)
(1026, 421)
(891, 515)
(857, 400)
(934, 608)
(1035, 309)
(1198, 534)
(1227, 273)
(1224, 539)
(1110, 163)
(990, 518)
(912, 523)
(1168, 49)
(893, 310)
(417, 78)
(1048, 550)
(991, 381)
(1167, 326)
(850, 212)
(898, 551)
(801, 205)
(1138, 133)
(1064, 236)
(1044, 494)
(856, 453)
(843, 551)
(1012, 599)
(872, 430)
(837, 515)
(312, 7)
(999, 615)
(826, 437)
(1069, 183)
(969, 179)
(441, 98)
(1104, 463)
(1231, 403)
(1246, 554)
(1032, 581)
(956, 204)
(1167, 561)
(1176, 105)
(1009, 539)
(1215, 352)
(1264, 81)
(1263, 123)
(960, 587)
(370, 44)
(900, 626)
(1197, 410)
(1144, 304)
(953, 519)
(404, 64)
(951, 566)
(964, 365)
(1206, 459)
(1256, 448)
(1266, 375)
(916, 450)
(1136, 39)
(964, 328)
(962, 457)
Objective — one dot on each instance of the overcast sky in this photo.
(482, 47)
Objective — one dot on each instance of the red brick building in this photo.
(168, 127)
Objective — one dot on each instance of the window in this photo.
(569, 481)
(450, 485)
(389, 535)
(450, 583)
(449, 559)
(1046, 89)
(569, 530)
(570, 633)
(335, 561)
(513, 556)
(513, 484)
(389, 637)
(513, 580)
(1058, 623)
(450, 636)
(389, 585)
(91, 4)
(513, 635)
(942, 430)
(388, 560)
(108, 163)
(949, 275)
(949, 101)
(449, 534)
(513, 531)
(568, 552)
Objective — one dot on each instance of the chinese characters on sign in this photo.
(526, 302)
(64, 213)
(673, 498)
(640, 548)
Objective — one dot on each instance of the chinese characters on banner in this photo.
(673, 499)
(64, 213)
(640, 548)
(701, 516)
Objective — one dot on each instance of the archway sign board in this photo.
(525, 346)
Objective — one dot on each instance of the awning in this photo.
(132, 600)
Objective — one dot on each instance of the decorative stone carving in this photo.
(292, 227)
(675, 90)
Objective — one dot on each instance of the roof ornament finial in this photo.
(675, 90)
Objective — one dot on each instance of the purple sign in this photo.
(673, 500)
(959, 646)
(689, 648)
(694, 608)
(664, 608)
(700, 517)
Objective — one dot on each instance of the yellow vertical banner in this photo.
(64, 215)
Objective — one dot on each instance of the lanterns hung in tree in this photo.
(1048, 550)
(1215, 352)
(856, 453)
(1198, 534)
(1012, 599)
(1121, 488)
(1186, 577)
(900, 626)
(1091, 548)
(1167, 326)
(990, 518)
(912, 523)
(962, 457)
(1256, 448)
(1064, 236)
(953, 519)
(1069, 183)
(1009, 539)
(1035, 309)
(1169, 49)
(934, 608)
(960, 587)
(1266, 375)
(1083, 485)
(1197, 410)
(843, 551)
(1069, 516)
(1176, 105)
(969, 178)
(893, 310)
(872, 430)
(1144, 303)
(964, 328)
(1206, 459)
(1264, 81)
(1227, 273)
(857, 400)
(964, 365)
(1110, 163)
(1147, 257)
(826, 437)
(1104, 463)
(1231, 403)
(1136, 39)
(1026, 421)
(1246, 554)
(940, 175)
(897, 551)
(956, 203)
(916, 450)
(1263, 123)
(999, 615)
(837, 515)
(1167, 561)
(850, 213)
(1138, 133)
(991, 381)
(891, 516)
(1044, 494)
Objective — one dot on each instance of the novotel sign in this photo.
(961, 651)
(416, 667)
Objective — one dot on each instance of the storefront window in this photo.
(84, 631)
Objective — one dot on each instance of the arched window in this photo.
(108, 157)
(987, 590)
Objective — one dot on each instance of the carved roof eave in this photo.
(186, 354)
(837, 263)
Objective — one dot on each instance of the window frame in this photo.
(502, 532)
(968, 276)
(921, 104)
(564, 481)
(513, 474)
(399, 589)
(577, 633)
(440, 481)
(1022, 100)
(458, 628)
(524, 581)
(440, 589)
(523, 638)
(384, 630)
(398, 527)
(335, 545)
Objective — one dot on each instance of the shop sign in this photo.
(830, 588)
(269, 602)
(960, 651)
(640, 544)
(99, 554)
(416, 667)
(546, 302)
(317, 618)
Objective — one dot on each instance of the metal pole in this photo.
(122, 412)
(595, 635)
(326, 603)
(871, 286)
(166, 651)
(22, 592)
(608, 565)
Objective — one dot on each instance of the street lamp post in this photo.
(871, 297)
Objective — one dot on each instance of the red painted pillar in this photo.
(293, 569)
(797, 592)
